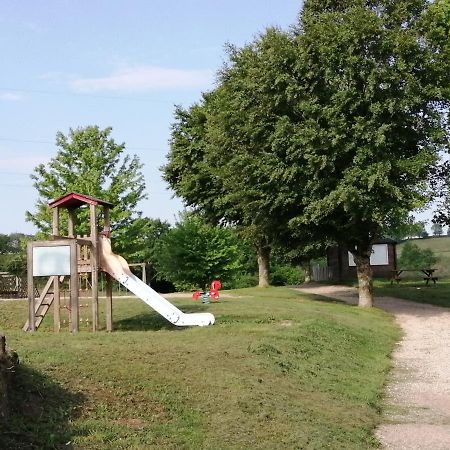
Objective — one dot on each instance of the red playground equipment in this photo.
(208, 296)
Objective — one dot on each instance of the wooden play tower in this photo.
(70, 255)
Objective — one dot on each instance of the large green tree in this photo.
(89, 161)
(330, 132)
(376, 85)
(228, 156)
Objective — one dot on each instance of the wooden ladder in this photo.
(43, 304)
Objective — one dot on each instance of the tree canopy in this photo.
(228, 159)
(330, 131)
(89, 161)
(376, 87)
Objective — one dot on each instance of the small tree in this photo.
(89, 161)
(413, 257)
(194, 253)
(421, 230)
(437, 229)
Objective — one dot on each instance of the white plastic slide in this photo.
(118, 268)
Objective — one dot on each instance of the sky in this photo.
(125, 64)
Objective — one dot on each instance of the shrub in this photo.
(241, 280)
(285, 275)
(194, 253)
(413, 257)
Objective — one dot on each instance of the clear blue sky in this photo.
(125, 64)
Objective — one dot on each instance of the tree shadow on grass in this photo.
(152, 321)
(40, 412)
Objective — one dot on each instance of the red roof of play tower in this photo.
(75, 200)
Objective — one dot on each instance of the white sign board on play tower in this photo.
(49, 261)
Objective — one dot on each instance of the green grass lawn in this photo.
(438, 294)
(277, 370)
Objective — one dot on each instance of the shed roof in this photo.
(75, 200)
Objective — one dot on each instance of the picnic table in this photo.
(427, 272)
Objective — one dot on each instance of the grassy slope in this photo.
(277, 370)
(417, 291)
(440, 246)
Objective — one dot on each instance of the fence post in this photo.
(2, 344)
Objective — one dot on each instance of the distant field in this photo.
(279, 369)
(440, 246)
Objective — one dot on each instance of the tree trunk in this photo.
(263, 253)
(364, 272)
(308, 272)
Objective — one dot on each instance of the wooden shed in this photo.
(383, 260)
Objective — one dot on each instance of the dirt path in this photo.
(417, 411)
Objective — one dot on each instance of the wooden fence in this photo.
(12, 286)
(321, 273)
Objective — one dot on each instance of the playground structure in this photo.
(72, 255)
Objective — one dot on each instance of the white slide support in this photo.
(118, 268)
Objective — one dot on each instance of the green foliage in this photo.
(194, 253)
(286, 275)
(228, 154)
(242, 280)
(437, 229)
(13, 256)
(142, 250)
(406, 229)
(17, 265)
(440, 246)
(413, 257)
(89, 161)
(330, 131)
(13, 243)
(366, 71)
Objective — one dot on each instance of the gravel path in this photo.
(417, 410)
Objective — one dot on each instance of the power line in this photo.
(36, 141)
(17, 185)
(31, 141)
(76, 94)
(14, 173)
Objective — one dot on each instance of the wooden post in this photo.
(56, 305)
(30, 281)
(2, 344)
(94, 266)
(74, 306)
(109, 305)
(55, 222)
(144, 273)
(72, 221)
(56, 290)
